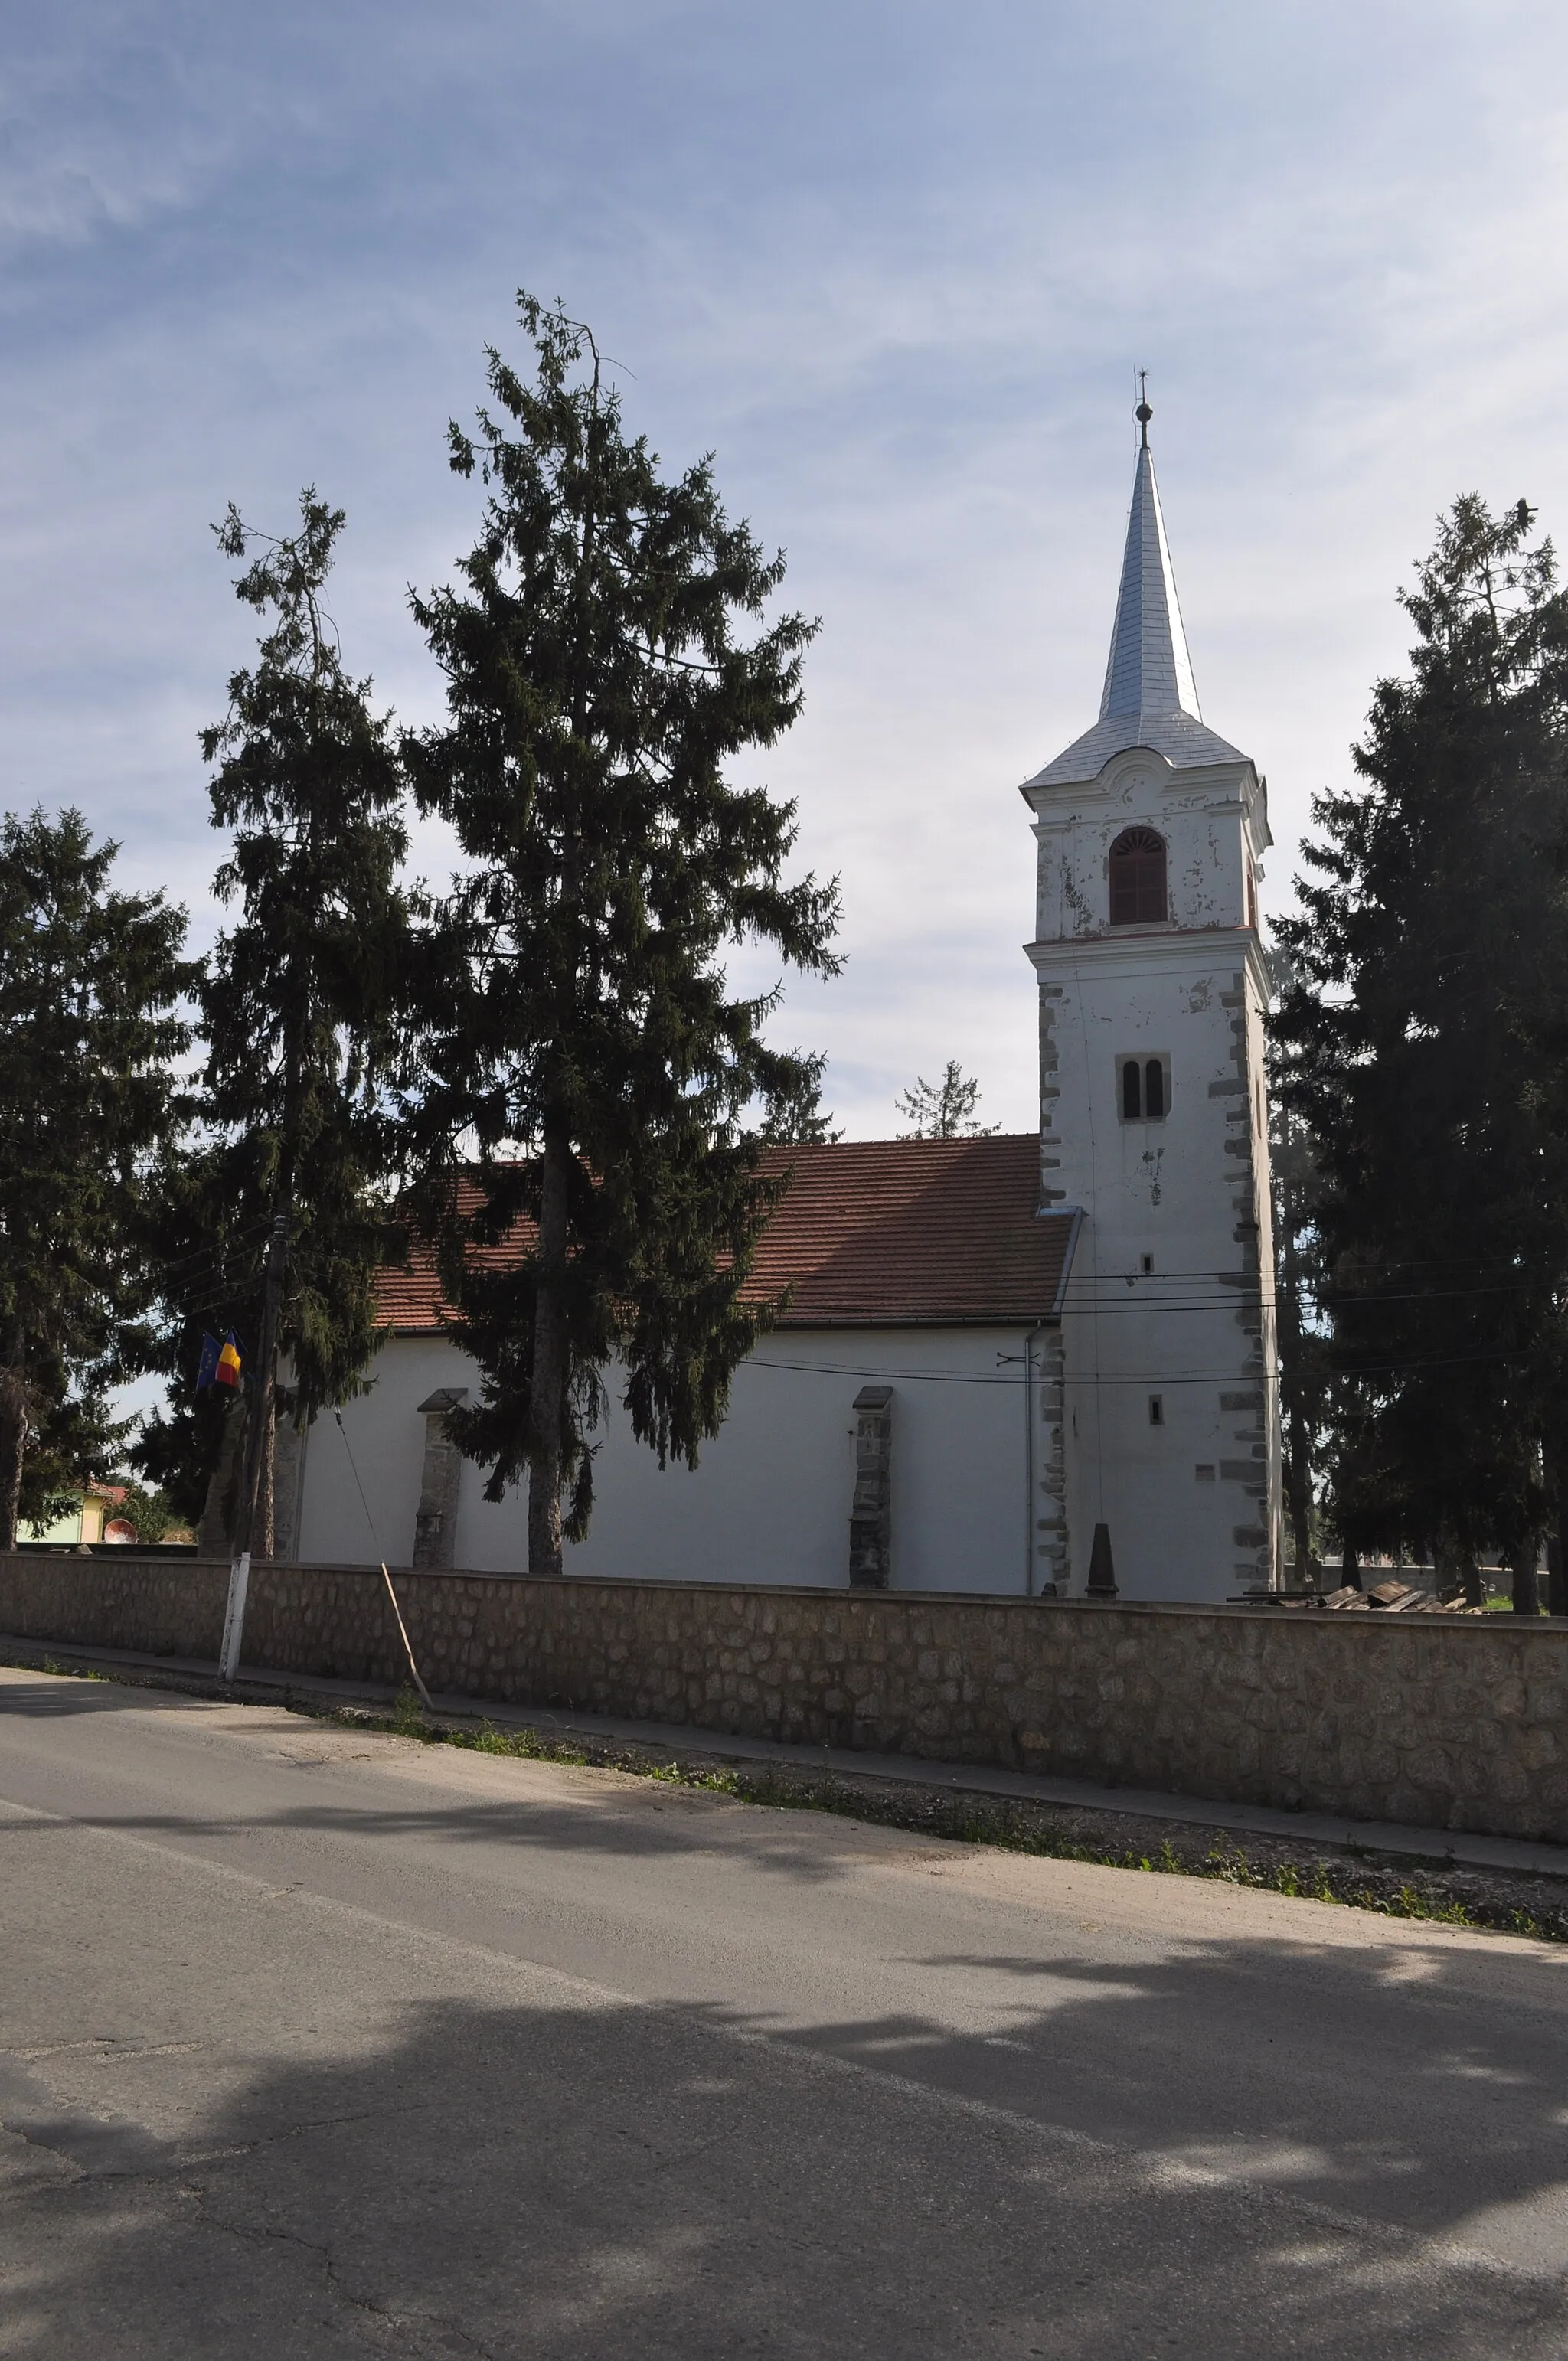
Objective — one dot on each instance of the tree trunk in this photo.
(13, 1446)
(1557, 1534)
(1299, 1486)
(547, 1390)
(266, 1509)
(1527, 1591)
(248, 1534)
(220, 1511)
(1350, 1568)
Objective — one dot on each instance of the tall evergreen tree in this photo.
(1425, 1044)
(796, 1118)
(91, 1028)
(584, 1056)
(276, 1225)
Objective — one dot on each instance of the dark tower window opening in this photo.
(1143, 1089)
(1156, 1410)
(1137, 878)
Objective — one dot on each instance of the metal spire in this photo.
(1149, 669)
(1150, 696)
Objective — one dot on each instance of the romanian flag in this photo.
(219, 1364)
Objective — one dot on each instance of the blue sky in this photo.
(894, 265)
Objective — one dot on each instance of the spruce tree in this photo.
(1425, 1045)
(586, 1065)
(796, 1117)
(91, 982)
(944, 1110)
(276, 1225)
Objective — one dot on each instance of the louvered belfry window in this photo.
(1137, 878)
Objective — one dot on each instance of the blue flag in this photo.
(207, 1367)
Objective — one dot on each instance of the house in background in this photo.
(92, 1521)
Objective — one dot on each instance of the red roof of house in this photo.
(876, 1233)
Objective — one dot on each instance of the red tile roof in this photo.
(876, 1233)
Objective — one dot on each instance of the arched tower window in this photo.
(1137, 878)
(1143, 1089)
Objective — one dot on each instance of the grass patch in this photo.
(1353, 1877)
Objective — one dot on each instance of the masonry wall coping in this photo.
(1541, 1626)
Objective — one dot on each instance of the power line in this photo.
(1229, 1376)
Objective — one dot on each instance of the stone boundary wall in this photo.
(1452, 1721)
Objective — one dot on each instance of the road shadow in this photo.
(1206, 2145)
(584, 2182)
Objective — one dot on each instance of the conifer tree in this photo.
(1425, 1044)
(944, 1110)
(796, 1117)
(277, 1227)
(90, 1027)
(584, 1061)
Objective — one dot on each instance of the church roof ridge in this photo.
(1150, 697)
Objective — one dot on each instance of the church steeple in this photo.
(1149, 670)
(1153, 994)
(1150, 697)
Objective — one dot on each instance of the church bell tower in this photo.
(1154, 1121)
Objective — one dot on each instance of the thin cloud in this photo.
(895, 266)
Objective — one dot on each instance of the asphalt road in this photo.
(315, 2043)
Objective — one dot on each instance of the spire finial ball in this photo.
(1143, 414)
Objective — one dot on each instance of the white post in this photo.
(234, 1621)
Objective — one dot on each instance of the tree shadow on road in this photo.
(564, 2177)
(1209, 2144)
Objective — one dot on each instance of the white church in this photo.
(1009, 1365)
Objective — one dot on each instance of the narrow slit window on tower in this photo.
(1154, 1091)
(1137, 878)
(1131, 1090)
(1156, 1410)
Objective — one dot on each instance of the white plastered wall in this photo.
(1190, 1191)
(770, 1499)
